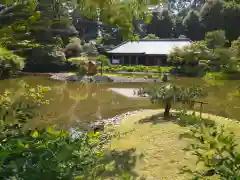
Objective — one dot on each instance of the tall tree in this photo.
(231, 14)
(193, 27)
(211, 15)
(161, 24)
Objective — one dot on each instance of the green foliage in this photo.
(103, 59)
(235, 51)
(151, 36)
(9, 63)
(169, 94)
(188, 55)
(73, 49)
(215, 39)
(81, 63)
(211, 12)
(16, 23)
(231, 13)
(192, 25)
(216, 149)
(48, 153)
(215, 76)
(90, 49)
(159, 20)
(187, 59)
(76, 48)
(49, 58)
(191, 119)
(221, 75)
(137, 68)
(118, 13)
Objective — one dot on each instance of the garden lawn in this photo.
(158, 151)
(132, 75)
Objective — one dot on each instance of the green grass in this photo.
(157, 147)
(131, 75)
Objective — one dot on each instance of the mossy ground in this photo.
(156, 146)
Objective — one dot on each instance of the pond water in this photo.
(75, 103)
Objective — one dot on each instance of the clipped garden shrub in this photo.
(10, 63)
(73, 50)
(81, 63)
(47, 59)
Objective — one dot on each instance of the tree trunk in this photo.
(167, 109)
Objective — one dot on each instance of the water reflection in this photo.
(74, 104)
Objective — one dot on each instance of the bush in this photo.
(138, 68)
(222, 76)
(9, 63)
(103, 59)
(215, 39)
(189, 55)
(192, 71)
(216, 149)
(47, 59)
(73, 50)
(81, 63)
(90, 49)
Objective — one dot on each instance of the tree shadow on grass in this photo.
(182, 120)
(122, 162)
(158, 118)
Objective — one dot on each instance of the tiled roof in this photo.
(150, 47)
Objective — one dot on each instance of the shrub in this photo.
(9, 63)
(46, 59)
(73, 50)
(216, 149)
(90, 49)
(138, 68)
(215, 39)
(103, 59)
(81, 63)
(189, 55)
(76, 40)
(221, 76)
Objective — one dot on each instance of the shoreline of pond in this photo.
(97, 78)
(115, 121)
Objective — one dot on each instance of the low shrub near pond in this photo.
(137, 68)
(9, 63)
(221, 76)
(216, 148)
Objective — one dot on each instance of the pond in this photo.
(75, 103)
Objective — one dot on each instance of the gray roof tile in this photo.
(150, 47)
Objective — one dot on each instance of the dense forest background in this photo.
(42, 33)
(191, 18)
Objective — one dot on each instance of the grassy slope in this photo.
(157, 142)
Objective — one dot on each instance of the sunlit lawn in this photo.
(159, 151)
